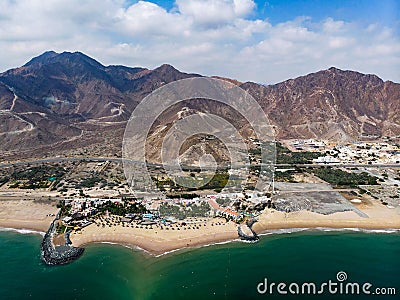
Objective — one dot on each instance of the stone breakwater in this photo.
(245, 231)
(58, 255)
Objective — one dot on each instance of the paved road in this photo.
(60, 159)
(314, 191)
(341, 165)
(118, 159)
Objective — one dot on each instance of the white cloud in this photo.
(243, 8)
(145, 18)
(212, 37)
(215, 13)
(332, 26)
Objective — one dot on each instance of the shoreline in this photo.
(157, 253)
(34, 226)
(36, 217)
(26, 214)
(152, 246)
(276, 231)
(22, 231)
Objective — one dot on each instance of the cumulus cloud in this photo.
(212, 37)
(148, 19)
(215, 13)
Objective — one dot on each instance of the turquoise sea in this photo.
(226, 271)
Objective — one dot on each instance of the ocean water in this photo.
(226, 271)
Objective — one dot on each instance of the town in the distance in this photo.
(316, 183)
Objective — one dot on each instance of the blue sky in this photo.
(249, 40)
(386, 12)
(364, 11)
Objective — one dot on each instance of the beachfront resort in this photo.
(90, 201)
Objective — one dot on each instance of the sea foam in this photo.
(329, 229)
(23, 231)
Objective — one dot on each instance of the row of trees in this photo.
(338, 177)
(121, 209)
(218, 181)
(285, 156)
(39, 173)
(181, 212)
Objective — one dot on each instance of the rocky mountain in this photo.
(70, 103)
(331, 104)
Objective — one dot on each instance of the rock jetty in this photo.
(245, 231)
(58, 255)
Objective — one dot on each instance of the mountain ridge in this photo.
(60, 97)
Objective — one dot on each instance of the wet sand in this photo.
(382, 218)
(28, 214)
(157, 241)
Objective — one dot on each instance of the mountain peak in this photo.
(56, 91)
(334, 69)
(65, 57)
(169, 73)
(356, 76)
(42, 58)
(166, 67)
(79, 57)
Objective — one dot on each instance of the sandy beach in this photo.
(271, 220)
(37, 215)
(157, 241)
(379, 217)
(26, 214)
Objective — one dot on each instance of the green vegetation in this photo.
(218, 181)
(183, 195)
(285, 156)
(37, 177)
(60, 228)
(339, 177)
(179, 211)
(39, 173)
(162, 182)
(64, 208)
(121, 209)
(286, 176)
(223, 201)
(256, 151)
(89, 182)
(362, 191)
